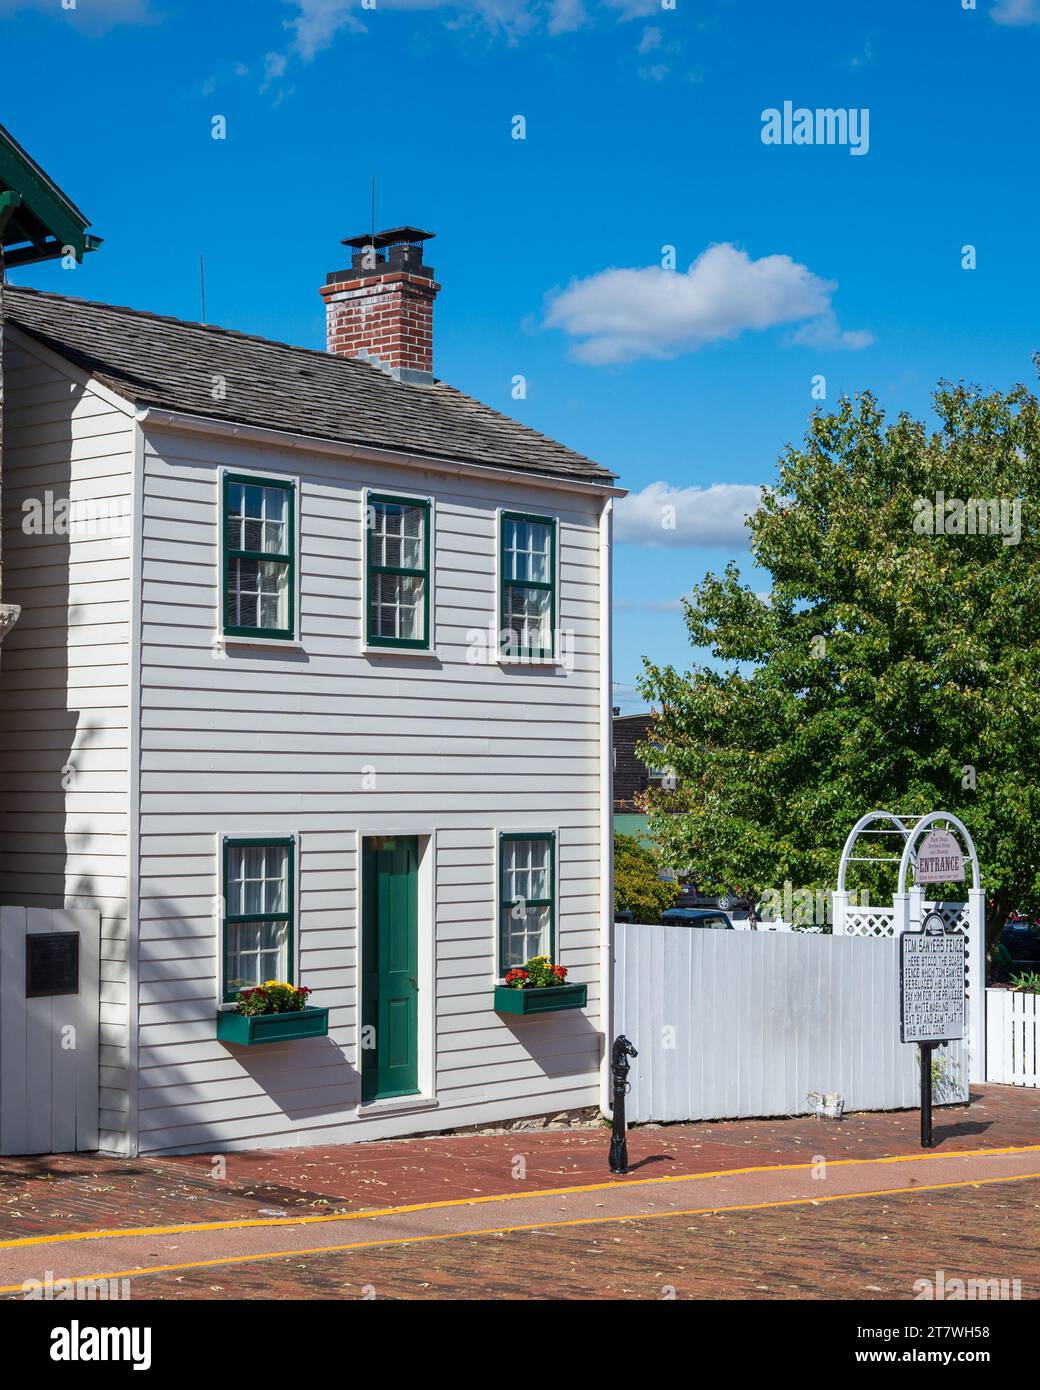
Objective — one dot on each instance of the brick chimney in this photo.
(381, 309)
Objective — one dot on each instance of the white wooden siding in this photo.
(64, 690)
(258, 741)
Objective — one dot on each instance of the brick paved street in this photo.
(261, 1229)
(73, 1192)
(865, 1249)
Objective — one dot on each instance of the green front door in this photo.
(390, 965)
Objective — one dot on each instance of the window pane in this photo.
(525, 870)
(258, 594)
(258, 518)
(526, 548)
(257, 951)
(258, 879)
(524, 936)
(397, 538)
(526, 619)
(276, 878)
(396, 607)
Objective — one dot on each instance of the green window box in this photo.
(250, 1030)
(540, 1001)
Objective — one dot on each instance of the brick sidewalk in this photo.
(46, 1195)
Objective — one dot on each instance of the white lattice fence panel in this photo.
(870, 921)
(954, 915)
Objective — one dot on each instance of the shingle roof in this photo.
(169, 364)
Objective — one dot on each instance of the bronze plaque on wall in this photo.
(51, 963)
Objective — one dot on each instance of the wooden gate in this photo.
(49, 985)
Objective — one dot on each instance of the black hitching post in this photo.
(926, 1094)
(619, 1067)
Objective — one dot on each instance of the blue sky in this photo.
(643, 131)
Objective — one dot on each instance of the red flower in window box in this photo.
(538, 973)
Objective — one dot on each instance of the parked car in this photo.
(1022, 942)
(691, 896)
(695, 917)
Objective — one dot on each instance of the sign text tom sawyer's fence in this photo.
(931, 983)
(931, 998)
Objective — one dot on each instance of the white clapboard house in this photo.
(311, 682)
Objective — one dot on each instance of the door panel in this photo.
(390, 964)
(49, 1021)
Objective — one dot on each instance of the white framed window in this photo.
(527, 896)
(259, 913)
(258, 544)
(397, 571)
(527, 587)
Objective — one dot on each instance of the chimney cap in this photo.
(393, 236)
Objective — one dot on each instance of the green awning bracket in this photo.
(38, 222)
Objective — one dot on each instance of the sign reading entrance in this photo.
(51, 963)
(939, 859)
(931, 983)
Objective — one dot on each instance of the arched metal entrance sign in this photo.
(928, 849)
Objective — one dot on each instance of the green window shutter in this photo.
(397, 571)
(527, 596)
(259, 913)
(526, 897)
(258, 544)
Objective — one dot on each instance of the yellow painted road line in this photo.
(144, 1272)
(370, 1212)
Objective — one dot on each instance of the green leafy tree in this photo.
(894, 664)
(637, 888)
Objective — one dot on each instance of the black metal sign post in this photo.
(619, 1067)
(926, 1094)
(931, 999)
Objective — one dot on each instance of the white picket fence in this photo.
(732, 1024)
(1012, 1037)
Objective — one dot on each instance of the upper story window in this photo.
(398, 572)
(259, 564)
(528, 585)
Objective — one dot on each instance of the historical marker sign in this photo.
(939, 859)
(931, 983)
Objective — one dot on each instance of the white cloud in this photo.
(97, 15)
(624, 315)
(567, 15)
(633, 9)
(825, 333)
(1016, 12)
(316, 23)
(667, 517)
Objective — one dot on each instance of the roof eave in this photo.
(41, 200)
(164, 418)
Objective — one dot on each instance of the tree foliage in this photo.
(637, 888)
(888, 668)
